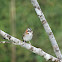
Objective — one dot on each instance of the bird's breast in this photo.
(28, 37)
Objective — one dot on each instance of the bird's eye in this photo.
(28, 30)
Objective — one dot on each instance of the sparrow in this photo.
(28, 34)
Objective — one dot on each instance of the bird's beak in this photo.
(26, 31)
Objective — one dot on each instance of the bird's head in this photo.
(29, 30)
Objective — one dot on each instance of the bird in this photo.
(28, 34)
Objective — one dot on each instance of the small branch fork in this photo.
(47, 29)
(38, 51)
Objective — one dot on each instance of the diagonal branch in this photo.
(5, 42)
(28, 46)
(47, 28)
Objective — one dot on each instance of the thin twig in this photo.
(5, 42)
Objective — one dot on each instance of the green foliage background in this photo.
(27, 17)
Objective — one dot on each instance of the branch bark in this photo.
(28, 46)
(47, 28)
(5, 42)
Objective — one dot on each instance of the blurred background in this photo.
(16, 16)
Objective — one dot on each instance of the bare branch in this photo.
(47, 28)
(5, 42)
(28, 46)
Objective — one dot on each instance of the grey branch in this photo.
(28, 46)
(47, 28)
(5, 42)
